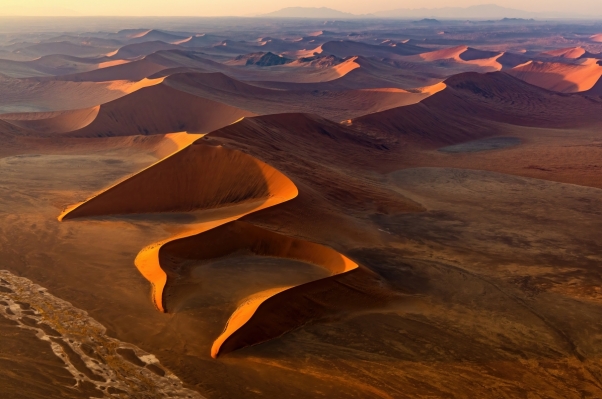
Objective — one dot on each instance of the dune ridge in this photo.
(564, 78)
(53, 122)
(137, 113)
(223, 185)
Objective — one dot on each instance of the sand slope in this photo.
(570, 52)
(564, 78)
(140, 49)
(159, 109)
(336, 105)
(46, 95)
(53, 122)
(347, 48)
(469, 104)
(235, 184)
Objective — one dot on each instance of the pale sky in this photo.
(253, 7)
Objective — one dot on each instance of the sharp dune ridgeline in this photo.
(215, 178)
(340, 206)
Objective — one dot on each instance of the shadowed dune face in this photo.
(197, 177)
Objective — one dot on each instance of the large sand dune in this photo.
(469, 104)
(564, 78)
(217, 178)
(54, 65)
(159, 109)
(53, 122)
(47, 95)
(570, 52)
(347, 48)
(337, 105)
(141, 49)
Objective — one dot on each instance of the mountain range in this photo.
(484, 11)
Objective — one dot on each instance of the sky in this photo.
(254, 7)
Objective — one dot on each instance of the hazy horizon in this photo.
(239, 8)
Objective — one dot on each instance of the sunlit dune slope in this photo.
(471, 107)
(564, 78)
(159, 109)
(53, 122)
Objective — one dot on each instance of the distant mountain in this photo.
(485, 11)
(309, 12)
(428, 15)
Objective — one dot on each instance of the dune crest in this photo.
(240, 236)
(223, 185)
(208, 178)
(128, 87)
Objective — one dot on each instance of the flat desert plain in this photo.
(250, 208)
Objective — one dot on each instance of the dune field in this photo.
(244, 208)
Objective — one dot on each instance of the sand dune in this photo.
(47, 95)
(140, 49)
(462, 55)
(466, 108)
(564, 78)
(197, 185)
(161, 63)
(443, 54)
(156, 35)
(596, 38)
(233, 184)
(570, 52)
(53, 122)
(347, 48)
(133, 71)
(335, 105)
(63, 48)
(54, 65)
(237, 237)
(207, 177)
(159, 109)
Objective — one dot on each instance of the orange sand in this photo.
(571, 52)
(565, 78)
